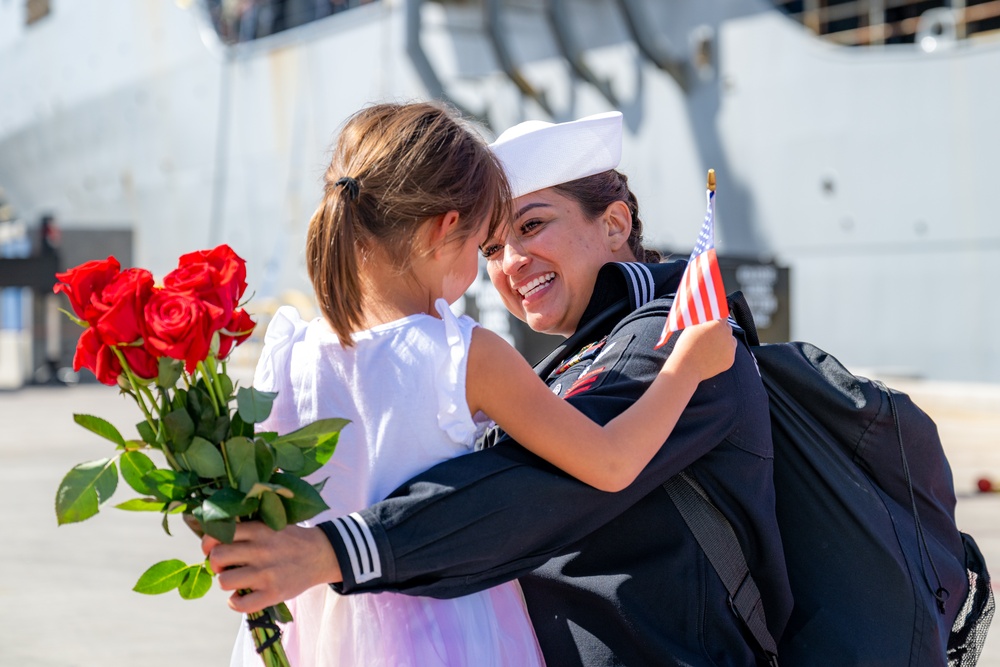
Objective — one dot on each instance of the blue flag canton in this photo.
(706, 239)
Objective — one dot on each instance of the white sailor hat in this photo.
(537, 155)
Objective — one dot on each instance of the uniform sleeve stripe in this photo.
(375, 562)
(361, 549)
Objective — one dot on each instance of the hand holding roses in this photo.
(149, 339)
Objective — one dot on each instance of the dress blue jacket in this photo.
(609, 578)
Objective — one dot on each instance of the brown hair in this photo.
(405, 164)
(595, 193)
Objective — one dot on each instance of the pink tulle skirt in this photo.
(487, 629)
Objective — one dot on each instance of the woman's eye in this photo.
(529, 226)
(489, 249)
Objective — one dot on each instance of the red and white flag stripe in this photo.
(701, 296)
(704, 295)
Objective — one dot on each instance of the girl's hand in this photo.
(705, 349)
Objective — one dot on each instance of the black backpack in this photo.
(879, 572)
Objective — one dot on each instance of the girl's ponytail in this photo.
(331, 255)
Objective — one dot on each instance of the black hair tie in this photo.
(351, 185)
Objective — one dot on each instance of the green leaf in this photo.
(254, 405)
(101, 427)
(263, 460)
(305, 503)
(240, 427)
(307, 436)
(197, 581)
(199, 404)
(147, 433)
(226, 383)
(289, 457)
(179, 401)
(260, 488)
(224, 531)
(177, 506)
(214, 429)
(209, 425)
(165, 524)
(84, 488)
(272, 512)
(142, 505)
(170, 484)
(170, 371)
(179, 427)
(205, 459)
(227, 504)
(134, 466)
(317, 441)
(280, 613)
(162, 577)
(242, 462)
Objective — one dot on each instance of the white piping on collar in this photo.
(640, 279)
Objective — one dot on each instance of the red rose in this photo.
(179, 326)
(218, 276)
(85, 282)
(121, 305)
(239, 329)
(96, 357)
(142, 363)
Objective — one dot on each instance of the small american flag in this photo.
(700, 295)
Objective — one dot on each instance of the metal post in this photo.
(876, 22)
(958, 8)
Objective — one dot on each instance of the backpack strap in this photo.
(739, 310)
(717, 539)
(713, 531)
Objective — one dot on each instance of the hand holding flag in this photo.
(701, 296)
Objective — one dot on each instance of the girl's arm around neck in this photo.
(502, 384)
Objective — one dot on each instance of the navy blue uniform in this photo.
(609, 578)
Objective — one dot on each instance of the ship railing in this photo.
(879, 22)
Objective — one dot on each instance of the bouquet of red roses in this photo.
(166, 346)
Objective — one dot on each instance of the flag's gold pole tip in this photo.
(711, 180)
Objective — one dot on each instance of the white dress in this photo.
(402, 386)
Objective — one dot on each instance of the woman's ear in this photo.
(618, 218)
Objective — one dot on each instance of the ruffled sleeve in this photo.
(454, 417)
(274, 372)
(286, 327)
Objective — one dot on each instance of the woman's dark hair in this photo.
(394, 167)
(595, 193)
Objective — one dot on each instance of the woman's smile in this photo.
(535, 285)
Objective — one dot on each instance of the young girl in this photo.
(409, 198)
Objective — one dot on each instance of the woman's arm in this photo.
(437, 535)
(500, 383)
(494, 515)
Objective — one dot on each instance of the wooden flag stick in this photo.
(711, 180)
